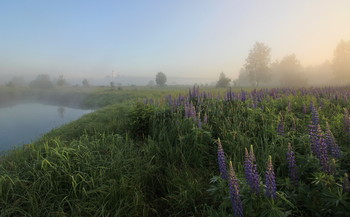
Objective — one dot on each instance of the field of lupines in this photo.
(267, 152)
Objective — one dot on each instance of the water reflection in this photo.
(61, 110)
(24, 123)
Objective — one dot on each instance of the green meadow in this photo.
(149, 151)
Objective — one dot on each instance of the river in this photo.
(24, 123)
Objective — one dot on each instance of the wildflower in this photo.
(314, 116)
(222, 161)
(280, 128)
(250, 170)
(292, 167)
(313, 138)
(248, 165)
(270, 180)
(234, 192)
(323, 155)
(331, 143)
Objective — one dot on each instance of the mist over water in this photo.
(24, 123)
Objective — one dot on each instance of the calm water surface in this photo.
(24, 123)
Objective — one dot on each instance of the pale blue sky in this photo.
(182, 38)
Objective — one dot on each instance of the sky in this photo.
(189, 39)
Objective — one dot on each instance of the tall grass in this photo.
(159, 157)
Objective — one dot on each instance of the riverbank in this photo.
(160, 158)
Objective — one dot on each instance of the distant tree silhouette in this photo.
(85, 83)
(341, 61)
(243, 78)
(61, 81)
(151, 83)
(17, 81)
(41, 81)
(223, 81)
(257, 64)
(161, 79)
(289, 71)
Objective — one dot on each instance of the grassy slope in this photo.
(143, 160)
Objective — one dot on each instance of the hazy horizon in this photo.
(183, 39)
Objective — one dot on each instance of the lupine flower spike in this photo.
(255, 174)
(331, 143)
(280, 128)
(270, 180)
(234, 193)
(222, 161)
(292, 166)
(250, 170)
(323, 154)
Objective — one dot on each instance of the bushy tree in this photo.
(61, 81)
(42, 81)
(223, 81)
(289, 71)
(161, 79)
(243, 79)
(85, 83)
(257, 64)
(16, 81)
(341, 61)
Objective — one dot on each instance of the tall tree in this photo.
(243, 79)
(85, 83)
(223, 81)
(341, 61)
(61, 81)
(161, 79)
(42, 81)
(289, 71)
(257, 64)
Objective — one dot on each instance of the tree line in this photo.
(42, 81)
(258, 69)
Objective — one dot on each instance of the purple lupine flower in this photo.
(323, 155)
(314, 115)
(248, 165)
(311, 105)
(316, 138)
(234, 193)
(346, 183)
(313, 138)
(251, 172)
(222, 161)
(280, 128)
(292, 166)
(243, 96)
(331, 143)
(270, 180)
(304, 109)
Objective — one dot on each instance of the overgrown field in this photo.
(267, 152)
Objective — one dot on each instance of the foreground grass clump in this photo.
(289, 151)
(96, 175)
